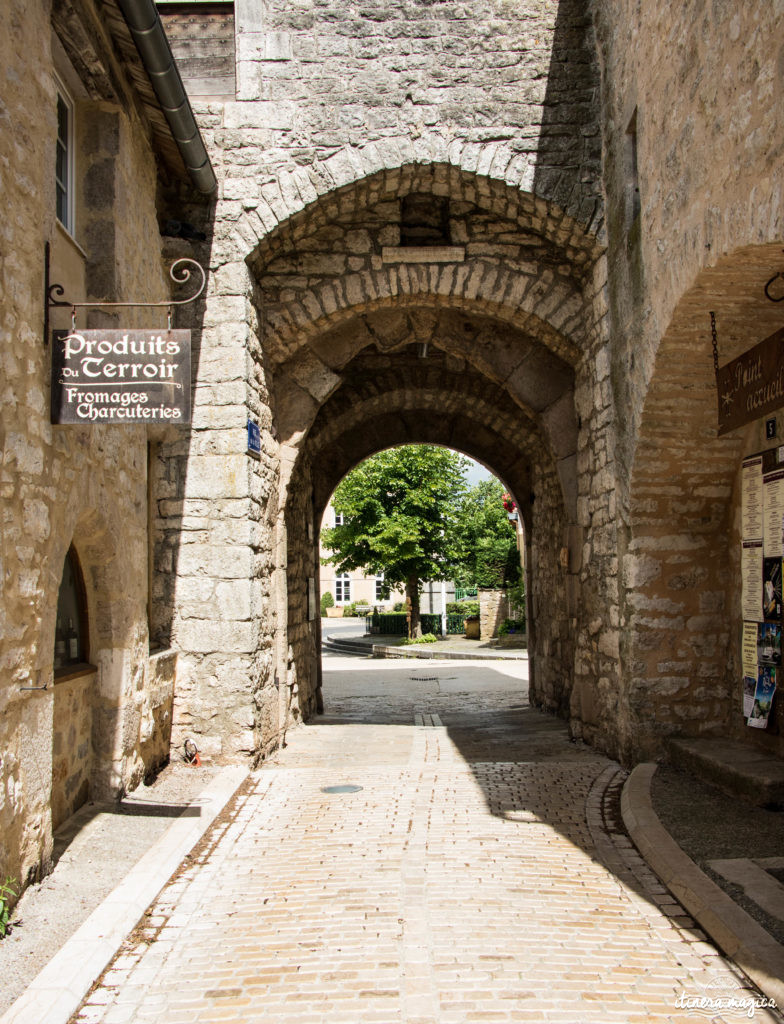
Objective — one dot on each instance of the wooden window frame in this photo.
(64, 96)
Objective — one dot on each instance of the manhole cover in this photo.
(341, 789)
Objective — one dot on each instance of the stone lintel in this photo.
(423, 254)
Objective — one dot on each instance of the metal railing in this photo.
(396, 624)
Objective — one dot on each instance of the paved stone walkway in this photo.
(461, 883)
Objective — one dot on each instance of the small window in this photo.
(64, 173)
(342, 589)
(424, 220)
(71, 645)
(381, 592)
(338, 519)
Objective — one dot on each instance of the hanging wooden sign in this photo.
(123, 377)
(752, 384)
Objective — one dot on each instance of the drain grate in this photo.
(424, 679)
(346, 788)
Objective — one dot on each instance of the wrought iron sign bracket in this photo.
(767, 287)
(180, 272)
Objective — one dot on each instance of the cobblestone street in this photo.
(464, 881)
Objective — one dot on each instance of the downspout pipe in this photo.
(153, 46)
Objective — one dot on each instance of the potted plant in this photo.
(471, 625)
(327, 602)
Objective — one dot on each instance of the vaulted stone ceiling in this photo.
(388, 399)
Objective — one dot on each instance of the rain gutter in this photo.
(153, 46)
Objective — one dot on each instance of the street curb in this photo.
(56, 991)
(382, 651)
(395, 652)
(734, 931)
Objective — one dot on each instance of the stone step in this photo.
(334, 643)
(739, 769)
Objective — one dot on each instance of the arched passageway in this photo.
(683, 561)
(482, 342)
(388, 400)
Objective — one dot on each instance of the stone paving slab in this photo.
(455, 885)
(59, 988)
(739, 769)
(93, 851)
(738, 934)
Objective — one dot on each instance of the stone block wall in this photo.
(301, 684)
(702, 110)
(64, 485)
(339, 113)
(72, 746)
(216, 525)
(493, 609)
(312, 79)
(156, 729)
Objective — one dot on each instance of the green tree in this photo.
(490, 555)
(400, 516)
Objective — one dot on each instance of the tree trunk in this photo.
(412, 600)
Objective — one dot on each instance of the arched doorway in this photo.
(483, 343)
(379, 407)
(682, 561)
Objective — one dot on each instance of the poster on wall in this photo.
(773, 506)
(750, 647)
(763, 697)
(749, 689)
(751, 581)
(771, 589)
(768, 644)
(762, 581)
(752, 525)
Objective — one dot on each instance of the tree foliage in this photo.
(490, 556)
(401, 516)
(408, 514)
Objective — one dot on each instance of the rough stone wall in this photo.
(217, 526)
(339, 113)
(302, 679)
(63, 485)
(314, 78)
(706, 86)
(156, 729)
(551, 623)
(493, 609)
(592, 563)
(71, 746)
(709, 118)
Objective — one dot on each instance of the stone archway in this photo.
(379, 406)
(300, 298)
(681, 601)
(482, 345)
